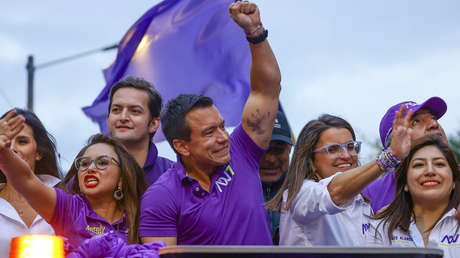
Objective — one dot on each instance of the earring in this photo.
(406, 188)
(118, 194)
(453, 186)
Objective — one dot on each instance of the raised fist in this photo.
(246, 15)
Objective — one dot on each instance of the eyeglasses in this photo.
(335, 149)
(101, 162)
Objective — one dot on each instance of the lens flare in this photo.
(37, 246)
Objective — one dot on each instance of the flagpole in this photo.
(31, 68)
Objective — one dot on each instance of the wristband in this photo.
(261, 37)
(386, 161)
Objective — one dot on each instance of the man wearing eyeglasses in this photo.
(424, 122)
(273, 167)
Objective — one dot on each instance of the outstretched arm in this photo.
(18, 173)
(260, 110)
(347, 185)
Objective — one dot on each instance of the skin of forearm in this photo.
(265, 73)
(348, 184)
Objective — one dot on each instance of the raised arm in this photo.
(260, 110)
(347, 185)
(18, 173)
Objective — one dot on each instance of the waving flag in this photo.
(184, 46)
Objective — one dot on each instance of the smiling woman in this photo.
(106, 187)
(320, 200)
(421, 215)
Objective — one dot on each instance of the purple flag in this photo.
(184, 46)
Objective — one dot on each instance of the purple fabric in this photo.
(436, 105)
(74, 219)
(233, 213)
(382, 191)
(109, 245)
(155, 166)
(184, 46)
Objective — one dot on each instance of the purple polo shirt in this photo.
(155, 166)
(232, 213)
(382, 191)
(74, 219)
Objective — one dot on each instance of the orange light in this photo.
(37, 246)
(142, 44)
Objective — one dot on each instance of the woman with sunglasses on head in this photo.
(36, 147)
(105, 193)
(422, 212)
(320, 200)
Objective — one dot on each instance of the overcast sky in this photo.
(349, 58)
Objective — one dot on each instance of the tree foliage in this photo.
(454, 144)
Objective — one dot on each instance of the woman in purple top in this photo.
(105, 193)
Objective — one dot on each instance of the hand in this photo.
(401, 133)
(10, 126)
(246, 15)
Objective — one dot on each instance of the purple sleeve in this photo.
(381, 192)
(158, 213)
(246, 146)
(64, 211)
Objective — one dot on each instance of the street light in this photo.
(31, 68)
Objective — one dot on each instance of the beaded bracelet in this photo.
(386, 161)
(254, 31)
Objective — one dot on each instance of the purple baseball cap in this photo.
(435, 105)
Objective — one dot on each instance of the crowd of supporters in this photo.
(231, 189)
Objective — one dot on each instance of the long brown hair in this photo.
(302, 159)
(46, 145)
(400, 212)
(132, 175)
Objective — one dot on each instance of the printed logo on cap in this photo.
(277, 123)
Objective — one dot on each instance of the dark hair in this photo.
(131, 174)
(302, 159)
(46, 146)
(400, 211)
(154, 98)
(173, 120)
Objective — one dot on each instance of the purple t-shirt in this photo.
(74, 219)
(232, 213)
(155, 166)
(382, 191)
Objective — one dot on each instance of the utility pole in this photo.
(30, 82)
(31, 68)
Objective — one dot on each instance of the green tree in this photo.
(454, 144)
